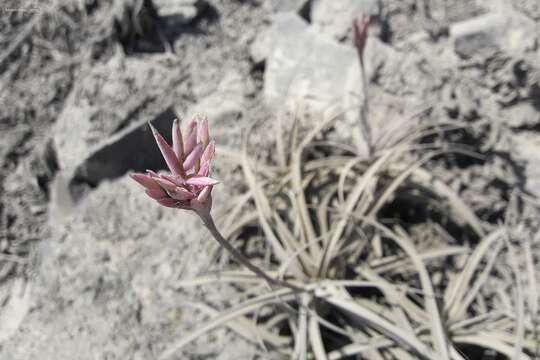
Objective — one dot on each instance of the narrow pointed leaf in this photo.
(167, 152)
(208, 153)
(145, 180)
(190, 136)
(193, 158)
(204, 170)
(203, 136)
(190, 142)
(190, 126)
(201, 181)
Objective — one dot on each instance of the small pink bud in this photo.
(360, 28)
(167, 152)
(201, 181)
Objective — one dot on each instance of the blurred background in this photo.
(88, 265)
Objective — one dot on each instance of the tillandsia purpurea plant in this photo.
(320, 206)
(369, 258)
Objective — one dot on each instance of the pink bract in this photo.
(360, 29)
(187, 186)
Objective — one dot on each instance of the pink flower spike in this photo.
(203, 136)
(167, 152)
(208, 153)
(145, 180)
(360, 27)
(187, 184)
(156, 193)
(201, 181)
(178, 142)
(193, 157)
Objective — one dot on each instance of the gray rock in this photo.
(307, 66)
(178, 12)
(224, 106)
(335, 17)
(260, 47)
(133, 148)
(482, 35)
(283, 24)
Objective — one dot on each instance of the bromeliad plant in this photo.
(345, 282)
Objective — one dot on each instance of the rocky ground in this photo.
(88, 265)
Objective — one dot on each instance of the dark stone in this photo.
(133, 148)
